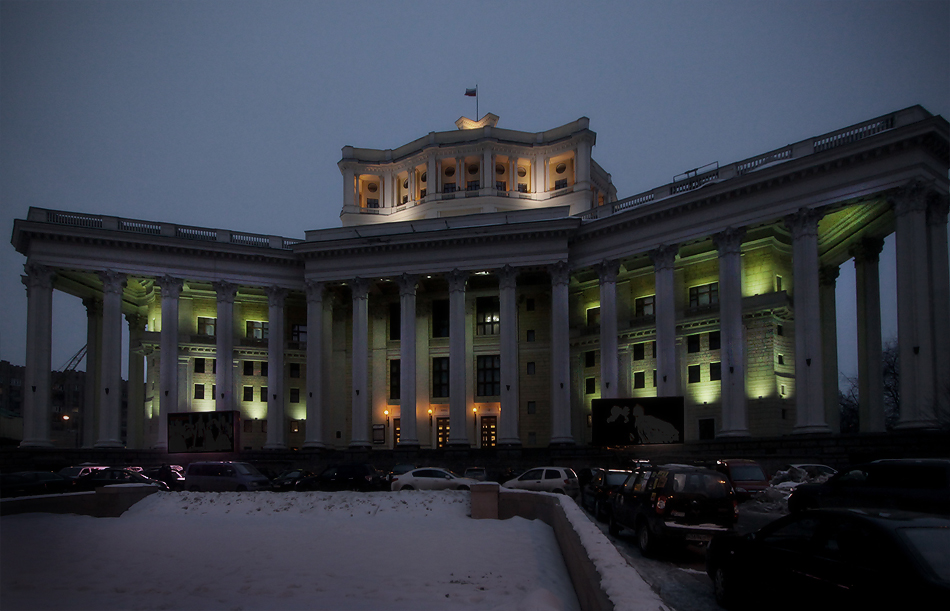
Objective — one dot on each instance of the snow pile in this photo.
(774, 499)
(276, 551)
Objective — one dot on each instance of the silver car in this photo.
(224, 476)
(561, 480)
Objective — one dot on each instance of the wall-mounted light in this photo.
(386, 413)
(430, 417)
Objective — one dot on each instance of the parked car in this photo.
(80, 470)
(288, 479)
(398, 470)
(224, 476)
(23, 483)
(111, 476)
(432, 478)
(911, 484)
(747, 476)
(674, 504)
(595, 496)
(478, 473)
(359, 477)
(168, 474)
(835, 559)
(561, 480)
(812, 470)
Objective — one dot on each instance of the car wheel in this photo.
(463, 488)
(724, 588)
(241, 489)
(613, 527)
(194, 489)
(598, 511)
(558, 491)
(407, 488)
(646, 540)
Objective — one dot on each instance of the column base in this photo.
(736, 433)
(35, 443)
(275, 446)
(508, 443)
(810, 429)
(110, 443)
(313, 445)
(359, 445)
(411, 444)
(918, 424)
(562, 442)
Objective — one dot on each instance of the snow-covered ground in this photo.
(274, 551)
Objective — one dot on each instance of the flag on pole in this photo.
(471, 92)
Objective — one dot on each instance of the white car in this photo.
(547, 479)
(431, 478)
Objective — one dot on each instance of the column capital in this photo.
(560, 273)
(912, 197)
(828, 274)
(93, 306)
(457, 279)
(607, 270)
(938, 208)
(170, 286)
(275, 295)
(866, 250)
(729, 241)
(664, 256)
(225, 291)
(507, 278)
(136, 321)
(803, 223)
(359, 288)
(37, 275)
(407, 285)
(314, 290)
(112, 281)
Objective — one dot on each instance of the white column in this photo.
(168, 370)
(136, 399)
(510, 362)
(458, 431)
(315, 416)
(276, 439)
(809, 383)
(110, 385)
(460, 174)
(349, 187)
(732, 363)
(582, 166)
(827, 278)
(560, 356)
(512, 174)
(667, 373)
(90, 391)
(432, 177)
(937, 210)
(408, 411)
(914, 310)
(607, 271)
(412, 185)
(360, 397)
(867, 285)
(224, 337)
(488, 170)
(39, 324)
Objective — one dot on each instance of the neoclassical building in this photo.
(487, 284)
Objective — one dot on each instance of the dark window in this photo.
(372, 203)
(295, 395)
(264, 395)
(654, 349)
(295, 370)
(693, 372)
(394, 379)
(248, 394)
(590, 358)
(472, 185)
(264, 368)
(256, 329)
(488, 375)
(440, 376)
(448, 187)
(248, 368)
(522, 187)
(707, 294)
(530, 368)
(590, 386)
(781, 359)
(645, 306)
(395, 321)
(715, 341)
(214, 365)
(214, 392)
(654, 378)
(199, 391)
(707, 429)
(532, 407)
(638, 352)
(529, 304)
(560, 184)
(639, 379)
(199, 365)
(248, 426)
(780, 330)
(593, 316)
(440, 318)
(715, 371)
(530, 335)
(692, 343)
(501, 185)
(487, 316)
(298, 333)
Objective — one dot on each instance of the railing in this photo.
(196, 233)
(751, 164)
(140, 227)
(853, 134)
(632, 202)
(77, 220)
(250, 240)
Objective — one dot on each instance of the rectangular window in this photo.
(214, 392)
(422, 193)
(206, 326)
(214, 365)
(715, 371)
(654, 349)
(532, 407)
(199, 365)
(644, 306)
(639, 379)
(440, 318)
(654, 378)
(372, 203)
(529, 336)
(295, 370)
(487, 316)
(781, 359)
(707, 429)
(256, 329)
(694, 375)
(472, 185)
(522, 187)
(529, 304)
(590, 358)
(248, 393)
(638, 352)
(263, 394)
(593, 316)
(692, 343)
(715, 340)
(530, 368)
(590, 386)
(394, 379)
(448, 187)
(405, 199)
(248, 368)
(778, 284)
(501, 185)
(705, 295)
(295, 395)
(199, 391)
(488, 375)
(395, 321)
(780, 330)
(248, 426)
(440, 376)
(560, 184)
(264, 368)
(298, 333)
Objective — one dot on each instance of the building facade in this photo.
(487, 284)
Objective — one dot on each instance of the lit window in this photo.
(487, 316)
(645, 306)
(206, 326)
(256, 329)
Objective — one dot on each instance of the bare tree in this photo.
(849, 405)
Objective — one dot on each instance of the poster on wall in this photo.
(627, 421)
(197, 432)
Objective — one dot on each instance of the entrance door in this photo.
(396, 431)
(489, 431)
(442, 431)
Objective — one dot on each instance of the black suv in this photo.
(910, 484)
(674, 504)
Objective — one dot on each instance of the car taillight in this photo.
(661, 505)
(368, 478)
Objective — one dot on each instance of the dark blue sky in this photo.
(232, 114)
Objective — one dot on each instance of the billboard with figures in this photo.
(203, 432)
(627, 422)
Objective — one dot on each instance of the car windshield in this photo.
(747, 473)
(933, 546)
(247, 469)
(616, 478)
(700, 483)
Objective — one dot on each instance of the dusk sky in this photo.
(232, 114)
